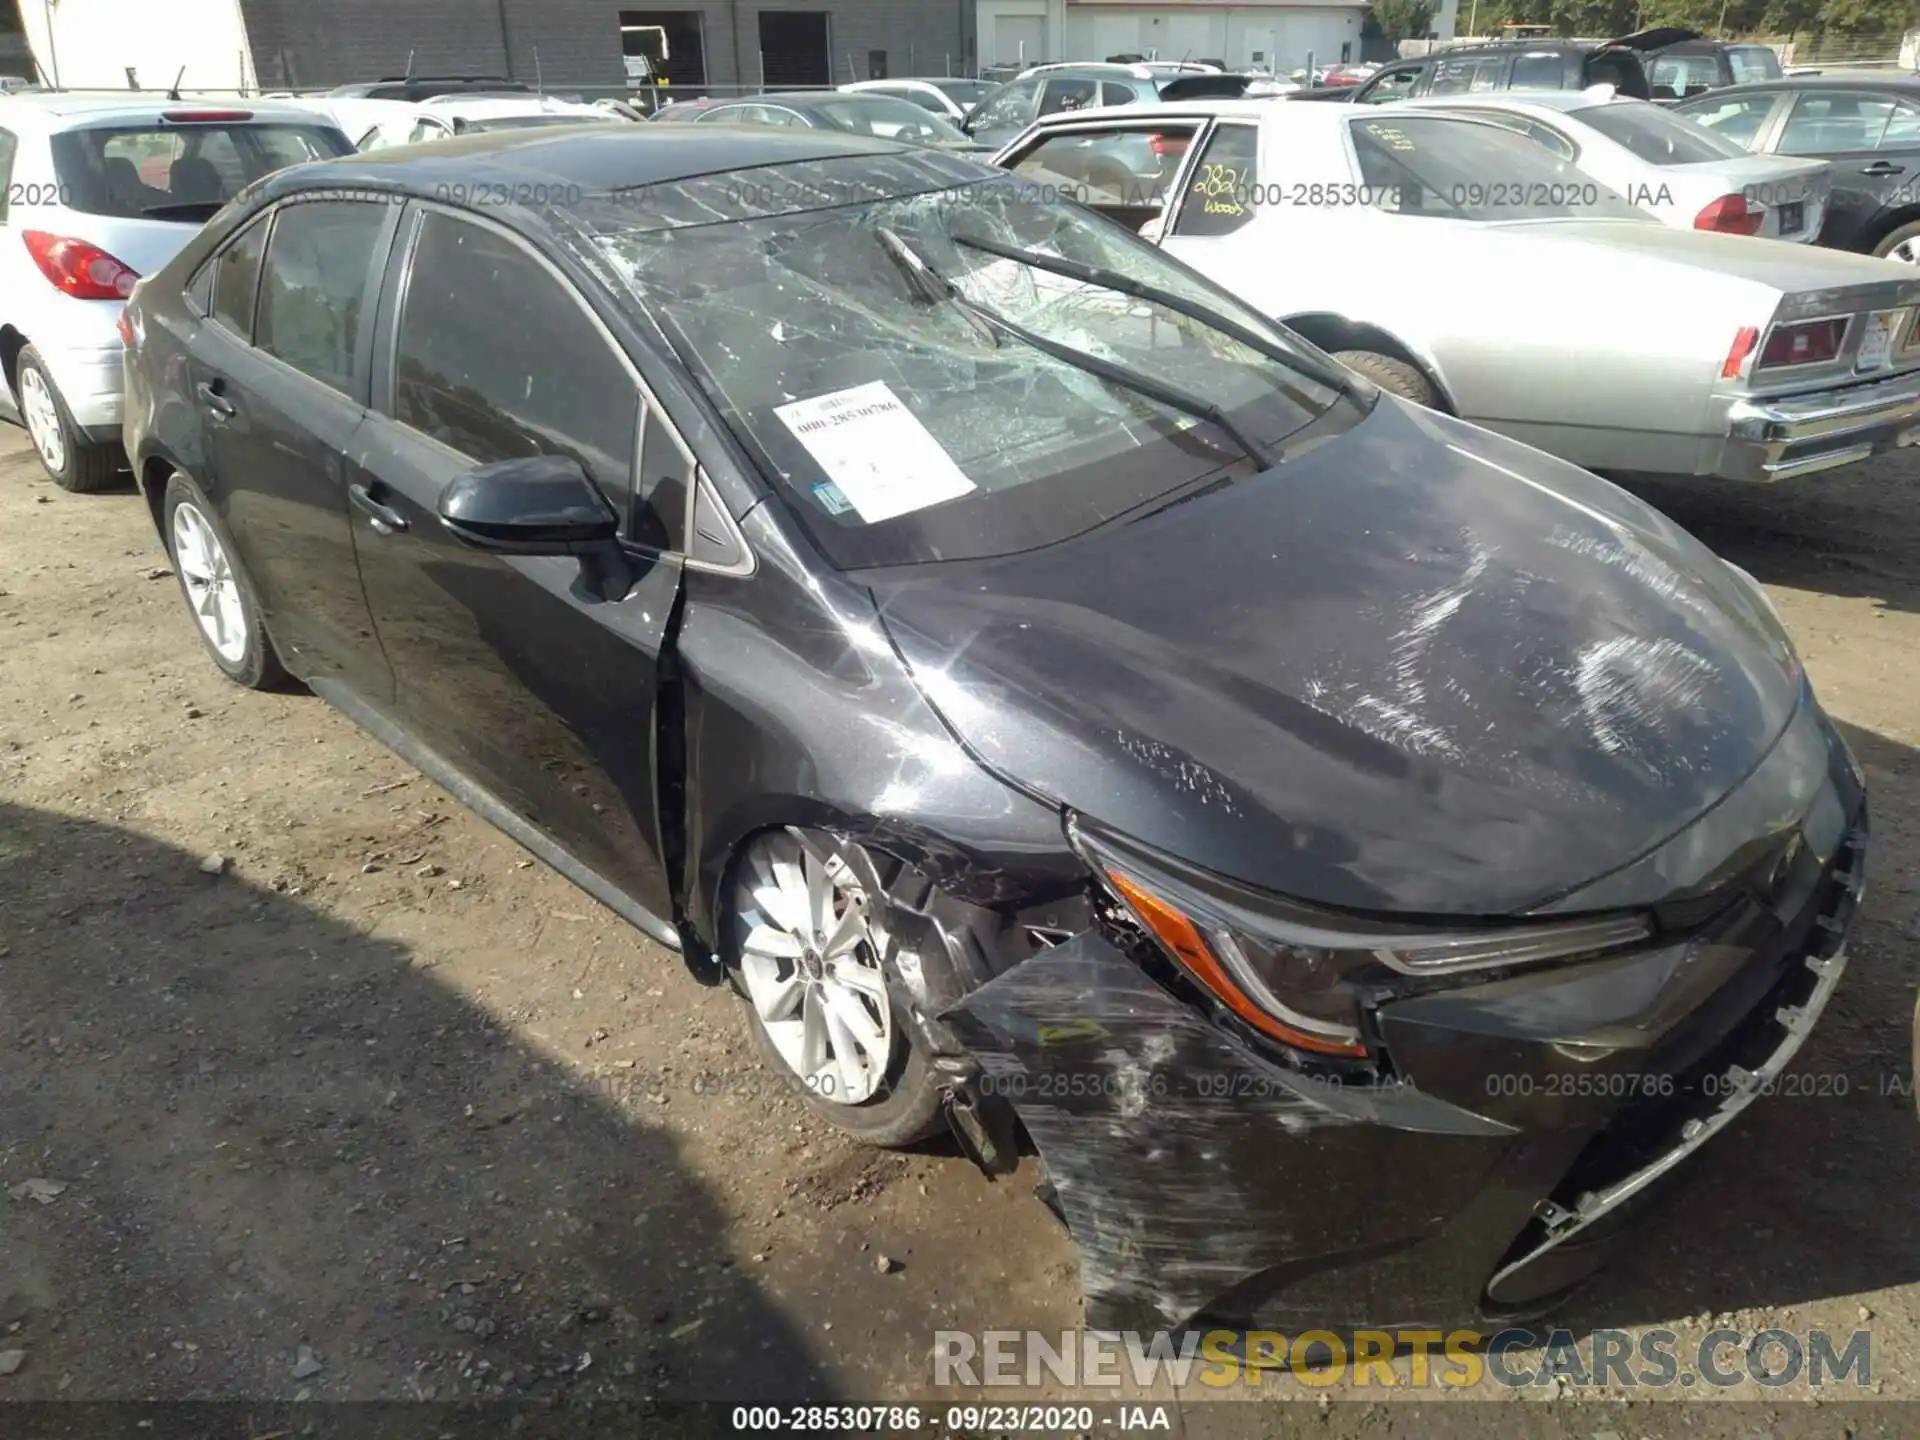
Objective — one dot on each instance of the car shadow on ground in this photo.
(1799, 1201)
(1849, 533)
(233, 1127)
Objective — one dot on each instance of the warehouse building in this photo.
(606, 44)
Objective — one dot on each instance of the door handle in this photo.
(210, 396)
(1883, 167)
(384, 518)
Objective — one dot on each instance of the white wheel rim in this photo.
(43, 418)
(1907, 252)
(811, 961)
(207, 576)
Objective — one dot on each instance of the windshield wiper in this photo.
(1126, 285)
(931, 283)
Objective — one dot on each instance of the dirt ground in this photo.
(386, 1110)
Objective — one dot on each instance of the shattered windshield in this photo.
(902, 428)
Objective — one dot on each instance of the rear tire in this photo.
(218, 592)
(1902, 244)
(1396, 377)
(821, 1015)
(74, 462)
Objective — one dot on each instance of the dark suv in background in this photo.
(1514, 65)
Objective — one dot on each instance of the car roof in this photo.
(77, 108)
(1560, 101)
(611, 155)
(491, 107)
(1090, 69)
(1259, 109)
(1891, 80)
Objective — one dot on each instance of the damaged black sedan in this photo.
(1365, 855)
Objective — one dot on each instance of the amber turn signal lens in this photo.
(1183, 939)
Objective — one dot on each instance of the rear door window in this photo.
(236, 277)
(1459, 77)
(1539, 72)
(1224, 190)
(1739, 118)
(150, 171)
(1680, 76)
(1748, 63)
(1829, 124)
(313, 290)
(1062, 95)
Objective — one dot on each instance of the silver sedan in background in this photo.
(1471, 269)
(1681, 172)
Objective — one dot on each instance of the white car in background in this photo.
(97, 190)
(951, 96)
(1665, 163)
(1457, 264)
(445, 116)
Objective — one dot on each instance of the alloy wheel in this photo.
(212, 590)
(813, 938)
(42, 414)
(1907, 252)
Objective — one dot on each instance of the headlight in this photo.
(1298, 974)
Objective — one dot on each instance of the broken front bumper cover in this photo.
(1208, 1185)
(1791, 435)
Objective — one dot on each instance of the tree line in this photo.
(1782, 19)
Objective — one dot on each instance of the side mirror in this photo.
(540, 505)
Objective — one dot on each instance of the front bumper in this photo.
(1792, 435)
(1524, 1120)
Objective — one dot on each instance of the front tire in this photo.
(221, 597)
(74, 462)
(808, 946)
(1396, 377)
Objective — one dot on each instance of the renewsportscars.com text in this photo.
(1454, 1359)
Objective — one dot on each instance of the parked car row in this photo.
(1051, 691)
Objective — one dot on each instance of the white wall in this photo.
(1285, 33)
(91, 42)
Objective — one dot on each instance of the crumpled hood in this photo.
(1420, 668)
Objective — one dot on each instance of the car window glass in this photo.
(1224, 191)
(1061, 95)
(8, 145)
(1824, 124)
(1903, 127)
(1124, 168)
(1003, 446)
(553, 387)
(1657, 135)
(924, 99)
(1736, 118)
(1112, 94)
(236, 273)
(424, 130)
(660, 497)
(1683, 75)
(1457, 77)
(1747, 63)
(1438, 165)
(1392, 85)
(1535, 131)
(313, 288)
(200, 288)
(139, 171)
(1539, 72)
(1012, 106)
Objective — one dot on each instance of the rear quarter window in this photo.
(1752, 62)
(1658, 136)
(131, 172)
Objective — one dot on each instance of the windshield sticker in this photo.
(830, 498)
(878, 455)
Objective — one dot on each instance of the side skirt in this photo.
(493, 810)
